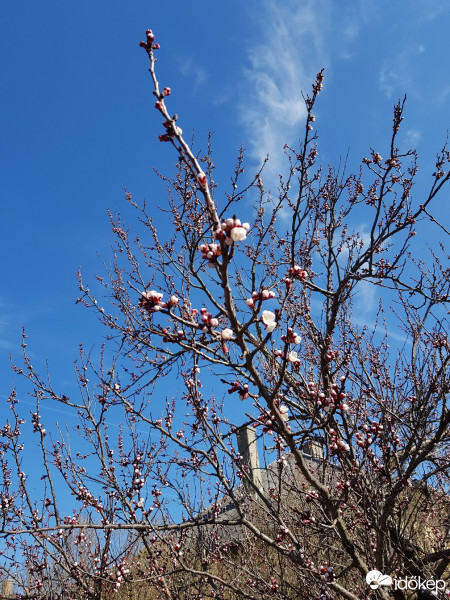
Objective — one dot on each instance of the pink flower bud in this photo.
(201, 178)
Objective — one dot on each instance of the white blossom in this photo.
(226, 334)
(293, 357)
(153, 295)
(268, 318)
(238, 234)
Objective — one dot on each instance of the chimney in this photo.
(246, 441)
(314, 449)
(7, 588)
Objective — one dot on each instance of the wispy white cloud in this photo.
(8, 342)
(189, 68)
(282, 64)
(432, 10)
(295, 41)
(365, 301)
(397, 73)
(412, 137)
(443, 96)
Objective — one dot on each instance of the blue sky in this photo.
(78, 123)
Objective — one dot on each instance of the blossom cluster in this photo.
(341, 485)
(291, 337)
(119, 576)
(210, 252)
(268, 421)
(168, 336)
(232, 230)
(170, 126)
(318, 85)
(150, 43)
(305, 517)
(151, 301)
(331, 400)
(269, 320)
(241, 389)
(36, 422)
(291, 357)
(337, 445)
(207, 321)
(363, 440)
(260, 296)
(171, 129)
(295, 272)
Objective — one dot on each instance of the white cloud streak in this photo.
(281, 66)
(296, 39)
(188, 68)
(397, 73)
